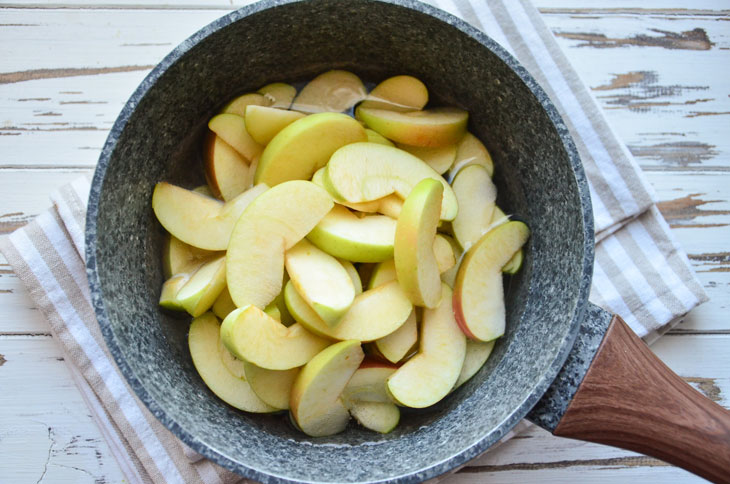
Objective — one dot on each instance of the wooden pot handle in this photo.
(630, 399)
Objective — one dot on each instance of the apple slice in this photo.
(203, 287)
(515, 263)
(374, 313)
(252, 335)
(321, 280)
(368, 383)
(181, 258)
(354, 275)
(477, 353)
(315, 404)
(239, 104)
(232, 129)
(224, 305)
(449, 276)
(383, 273)
(415, 262)
(398, 344)
(263, 123)
(305, 146)
(471, 151)
(477, 196)
(376, 416)
(278, 94)
(225, 169)
(391, 206)
(430, 375)
(170, 288)
(197, 220)
(334, 91)
(343, 234)
(203, 341)
(444, 254)
(233, 364)
(478, 295)
(439, 158)
(398, 93)
(430, 127)
(363, 172)
(272, 224)
(271, 386)
(375, 137)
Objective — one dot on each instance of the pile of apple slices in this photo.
(322, 237)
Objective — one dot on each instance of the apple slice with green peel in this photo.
(204, 286)
(415, 261)
(278, 94)
(252, 335)
(477, 196)
(374, 313)
(368, 383)
(179, 257)
(197, 220)
(203, 341)
(398, 93)
(333, 91)
(263, 123)
(439, 158)
(471, 151)
(225, 169)
(477, 353)
(231, 128)
(315, 403)
(354, 275)
(170, 288)
(343, 234)
(515, 263)
(224, 305)
(444, 254)
(239, 104)
(449, 276)
(430, 375)
(478, 295)
(398, 344)
(305, 146)
(321, 280)
(271, 386)
(430, 127)
(363, 172)
(233, 364)
(272, 224)
(375, 137)
(377, 416)
(383, 273)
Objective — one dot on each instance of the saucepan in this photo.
(563, 363)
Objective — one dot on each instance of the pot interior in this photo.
(159, 137)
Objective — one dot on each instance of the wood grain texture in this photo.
(630, 399)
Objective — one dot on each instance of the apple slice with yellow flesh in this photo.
(477, 196)
(449, 276)
(391, 206)
(430, 375)
(305, 146)
(234, 365)
(272, 224)
(224, 305)
(477, 353)
(170, 288)
(444, 254)
(278, 94)
(377, 416)
(252, 335)
(398, 93)
(271, 386)
(375, 137)
(232, 129)
(363, 172)
(321, 280)
(430, 127)
(333, 91)
(315, 404)
(374, 313)
(203, 341)
(515, 263)
(415, 261)
(225, 169)
(354, 275)
(439, 158)
(263, 123)
(383, 273)
(478, 294)
(343, 234)
(197, 220)
(238, 105)
(179, 257)
(204, 286)
(368, 383)
(398, 344)
(471, 151)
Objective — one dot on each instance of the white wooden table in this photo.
(660, 71)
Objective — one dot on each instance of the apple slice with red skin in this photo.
(478, 294)
(225, 169)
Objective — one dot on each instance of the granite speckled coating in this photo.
(158, 137)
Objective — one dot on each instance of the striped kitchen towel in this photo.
(640, 272)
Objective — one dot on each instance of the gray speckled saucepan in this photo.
(158, 137)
